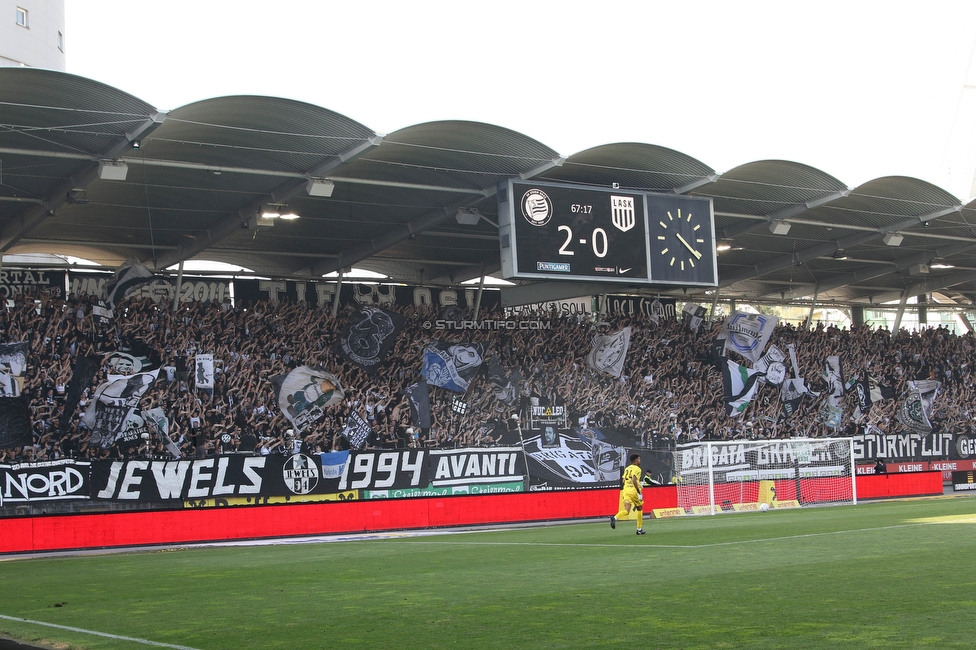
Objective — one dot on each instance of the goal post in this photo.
(733, 476)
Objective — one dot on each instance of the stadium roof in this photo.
(197, 175)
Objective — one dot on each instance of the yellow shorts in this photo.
(631, 497)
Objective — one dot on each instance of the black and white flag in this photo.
(693, 315)
(915, 411)
(452, 365)
(127, 277)
(368, 336)
(357, 431)
(113, 409)
(304, 393)
(85, 369)
(419, 397)
(747, 334)
(609, 352)
(13, 365)
(505, 387)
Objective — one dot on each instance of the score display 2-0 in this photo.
(569, 232)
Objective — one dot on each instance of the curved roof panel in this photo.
(191, 183)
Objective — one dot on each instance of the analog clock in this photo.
(682, 241)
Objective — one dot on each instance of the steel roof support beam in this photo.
(231, 223)
(927, 286)
(828, 248)
(784, 213)
(81, 178)
(411, 228)
(875, 271)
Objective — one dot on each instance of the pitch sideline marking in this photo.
(117, 637)
(685, 546)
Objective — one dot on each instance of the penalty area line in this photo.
(117, 637)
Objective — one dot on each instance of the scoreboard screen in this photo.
(569, 232)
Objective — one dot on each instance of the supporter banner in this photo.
(55, 480)
(912, 446)
(357, 431)
(17, 282)
(653, 308)
(322, 294)
(467, 467)
(216, 477)
(160, 289)
(567, 307)
(394, 469)
(575, 461)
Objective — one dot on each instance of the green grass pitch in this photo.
(886, 575)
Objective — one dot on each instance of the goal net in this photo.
(731, 476)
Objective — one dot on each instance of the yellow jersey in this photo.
(631, 471)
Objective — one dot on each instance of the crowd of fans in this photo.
(670, 389)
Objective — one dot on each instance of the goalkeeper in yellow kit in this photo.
(632, 495)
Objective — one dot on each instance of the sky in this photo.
(858, 89)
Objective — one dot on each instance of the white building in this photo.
(32, 33)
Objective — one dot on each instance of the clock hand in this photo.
(688, 246)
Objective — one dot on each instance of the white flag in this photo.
(747, 334)
(610, 352)
(204, 371)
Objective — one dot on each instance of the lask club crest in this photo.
(622, 212)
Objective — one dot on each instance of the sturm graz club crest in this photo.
(536, 207)
(300, 474)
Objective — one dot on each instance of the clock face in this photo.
(682, 241)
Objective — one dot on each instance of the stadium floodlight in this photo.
(112, 170)
(734, 475)
(892, 239)
(320, 187)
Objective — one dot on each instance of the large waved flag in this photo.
(113, 408)
(84, 371)
(13, 365)
(304, 393)
(693, 316)
(452, 365)
(505, 386)
(791, 394)
(740, 384)
(834, 376)
(419, 397)
(609, 352)
(747, 334)
(156, 420)
(15, 422)
(368, 336)
(915, 411)
(127, 277)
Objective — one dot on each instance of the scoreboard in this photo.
(570, 232)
